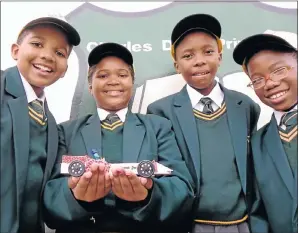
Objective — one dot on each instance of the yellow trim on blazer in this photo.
(212, 116)
(209, 222)
(112, 128)
(108, 125)
(289, 136)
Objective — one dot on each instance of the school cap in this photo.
(253, 44)
(70, 32)
(197, 22)
(110, 49)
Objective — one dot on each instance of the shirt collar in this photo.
(216, 95)
(102, 113)
(30, 92)
(279, 114)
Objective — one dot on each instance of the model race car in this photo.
(77, 165)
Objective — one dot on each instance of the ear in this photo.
(15, 51)
(176, 66)
(220, 58)
(90, 88)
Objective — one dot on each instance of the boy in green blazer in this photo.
(271, 64)
(119, 201)
(29, 137)
(212, 126)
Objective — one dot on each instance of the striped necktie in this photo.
(111, 118)
(289, 120)
(207, 102)
(36, 111)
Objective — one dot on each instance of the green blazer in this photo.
(277, 185)
(242, 114)
(15, 149)
(144, 137)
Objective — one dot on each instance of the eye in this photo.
(36, 44)
(209, 51)
(60, 54)
(123, 75)
(279, 71)
(102, 76)
(257, 80)
(187, 56)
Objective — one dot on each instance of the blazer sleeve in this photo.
(258, 220)
(172, 196)
(258, 216)
(60, 206)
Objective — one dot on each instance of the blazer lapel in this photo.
(237, 122)
(185, 116)
(133, 136)
(20, 121)
(276, 151)
(52, 144)
(92, 135)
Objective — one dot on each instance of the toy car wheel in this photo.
(76, 168)
(145, 169)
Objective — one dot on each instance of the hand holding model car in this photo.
(92, 179)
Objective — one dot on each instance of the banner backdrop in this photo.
(146, 33)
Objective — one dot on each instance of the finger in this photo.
(135, 182)
(126, 185)
(73, 181)
(116, 186)
(91, 190)
(117, 170)
(82, 185)
(146, 182)
(101, 181)
(107, 183)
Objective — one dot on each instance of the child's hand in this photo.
(127, 186)
(92, 185)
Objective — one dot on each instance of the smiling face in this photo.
(279, 95)
(42, 56)
(111, 84)
(197, 59)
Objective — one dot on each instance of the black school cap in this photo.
(70, 32)
(110, 49)
(192, 23)
(253, 44)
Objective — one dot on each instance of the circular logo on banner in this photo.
(130, 7)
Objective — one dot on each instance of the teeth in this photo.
(113, 92)
(43, 68)
(199, 74)
(277, 95)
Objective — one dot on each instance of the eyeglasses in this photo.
(275, 76)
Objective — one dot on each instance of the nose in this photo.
(270, 84)
(199, 60)
(113, 80)
(47, 54)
